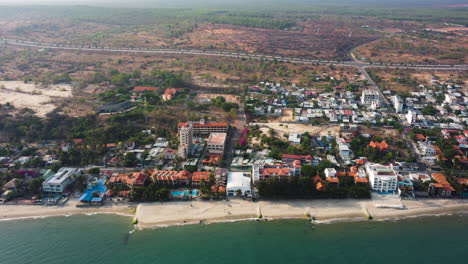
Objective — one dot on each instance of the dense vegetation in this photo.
(177, 21)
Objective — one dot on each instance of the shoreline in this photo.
(156, 215)
(19, 212)
(169, 214)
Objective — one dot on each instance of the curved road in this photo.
(15, 42)
(361, 66)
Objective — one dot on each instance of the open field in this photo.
(288, 128)
(403, 81)
(202, 97)
(418, 47)
(42, 99)
(209, 71)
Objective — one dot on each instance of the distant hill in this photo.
(239, 3)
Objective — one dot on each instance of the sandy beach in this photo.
(152, 215)
(10, 212)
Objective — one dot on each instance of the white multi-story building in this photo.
(397, 103)
(426, 150)
(411, 117)
(216, 143)
(61, 180)
(203, 128)
(294, 138)
(238, 183)
(345, 151)
(370, 97)
(382, 178)
(186, 135)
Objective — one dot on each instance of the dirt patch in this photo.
(41, 99)
(203, 97)
(286, 128)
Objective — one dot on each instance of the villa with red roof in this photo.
(380, 145)
(198, 177)
(170, 93)
(442, 187)
(171, 177)
(290, 158)
(131, 179)
(278, 171)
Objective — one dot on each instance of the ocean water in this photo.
(110, 239)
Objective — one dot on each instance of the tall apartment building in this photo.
(186, 135)
(185, 140)
(397, 103)
(370, 97)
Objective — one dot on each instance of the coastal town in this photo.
(273, 131)
(350, 141)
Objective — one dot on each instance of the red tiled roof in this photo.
(332, 180)
(208, 124)
(145, 89)
(442, 182)
(420, 137)
(296, 157)
(275, 171)
(164, 175)
(380, 145)
(220, 189)
(462, 181)
(199, 176)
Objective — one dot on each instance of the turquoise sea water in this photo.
(106, 239)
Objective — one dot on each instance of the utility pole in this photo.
(146, 113)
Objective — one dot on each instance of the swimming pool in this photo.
(179, 193)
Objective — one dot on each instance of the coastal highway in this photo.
(361, 66)
(232, 54)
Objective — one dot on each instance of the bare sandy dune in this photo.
(40, 98)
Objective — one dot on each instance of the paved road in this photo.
(239, 125)
(15, 42)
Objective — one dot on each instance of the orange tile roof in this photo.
(462, 181)
(296, 157)
(199, 176)
(360, 180)
(380, 145)
(145, 89)
(164, 175)
(332, 180)
(420, 137)
(320, 186)
(275, 171)
(220, 189)
(442, 182)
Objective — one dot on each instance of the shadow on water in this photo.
(126, 238)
